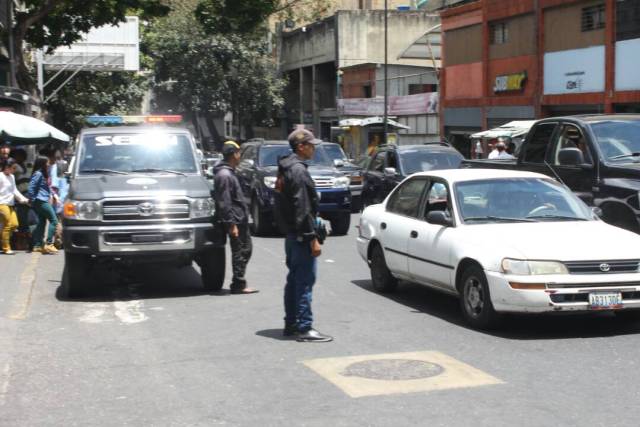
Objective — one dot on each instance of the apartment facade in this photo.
(525, 59)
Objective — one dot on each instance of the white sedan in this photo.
(503, 241)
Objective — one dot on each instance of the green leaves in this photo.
(234, 16)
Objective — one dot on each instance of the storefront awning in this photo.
(511, 129)
(376, 120)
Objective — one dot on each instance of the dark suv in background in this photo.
(258, 170)
(390, 164)
(348, 168)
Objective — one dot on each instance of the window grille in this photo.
(499, 33)
(593, 18)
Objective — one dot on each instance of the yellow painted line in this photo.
(455, 375)
(22, 300)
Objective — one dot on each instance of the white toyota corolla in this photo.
(503, 241)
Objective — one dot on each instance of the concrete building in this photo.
(526, 59)
(335, 71)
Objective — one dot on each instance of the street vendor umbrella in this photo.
(19, 129)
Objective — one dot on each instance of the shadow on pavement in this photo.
(518, 327)
(275, 334)
(105, 284)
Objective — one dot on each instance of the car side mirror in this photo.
(440, 218)
(570, 157)
(338, 163)
(390, 172)
(597, 211)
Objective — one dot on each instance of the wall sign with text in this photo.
(574, 71)
(510, 82)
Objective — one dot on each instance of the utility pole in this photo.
(386, 80)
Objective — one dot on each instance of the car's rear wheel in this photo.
(475, 299)
(341, 223)
(260, 225)
(76, 267)
(212, 268)
(381, 277)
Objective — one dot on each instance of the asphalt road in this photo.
(156, 350)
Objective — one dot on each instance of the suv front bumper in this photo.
(137, 239)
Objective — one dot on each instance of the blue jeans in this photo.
(45, 213)
(298, 291)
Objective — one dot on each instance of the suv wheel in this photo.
(260, 225)
(340, 224)
(212, 268)
(75, 274)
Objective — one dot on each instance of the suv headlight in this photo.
(341, 182)
(202, 208)
(270, 181)
(88, 211)
(532, 268)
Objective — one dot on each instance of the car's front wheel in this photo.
(212, 268)
(381, 277)
(260, 225)
(341, 223)
(475, 299)
(76, 267)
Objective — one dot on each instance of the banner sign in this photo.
(422, 103)
(510, 82)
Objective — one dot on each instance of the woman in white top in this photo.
(9, 194)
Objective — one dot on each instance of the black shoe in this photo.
(313, 336)
(290, 330)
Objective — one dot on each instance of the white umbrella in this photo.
(21, 129)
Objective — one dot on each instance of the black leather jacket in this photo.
(297, 200)
(231, 207)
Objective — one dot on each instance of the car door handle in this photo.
(414, 234)
(383, 225)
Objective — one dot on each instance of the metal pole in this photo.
(40, 67)
(12, 54)
(386, 80)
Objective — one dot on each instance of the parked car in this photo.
(258, 170)
(502, 241)
(138, 197)
(596, 156)
(390, 164)
(353, 171)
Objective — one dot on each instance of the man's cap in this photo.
(302, 136)
(230, 147)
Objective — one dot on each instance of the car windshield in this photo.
(518, 200)
(421, 160)
(619, 140)
(125, 153)
(334, 152)
(270, 154)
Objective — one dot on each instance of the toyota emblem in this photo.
(145, 209)
(605, 267)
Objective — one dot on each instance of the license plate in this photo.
(602, 300)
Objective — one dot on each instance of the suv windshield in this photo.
(619, 140)
(518, 200)
(334, 152)
(269, 155)
(421, 160)
(149, 152)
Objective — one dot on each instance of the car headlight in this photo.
(202, 208)
(270, 181)
(87, 211)
(532, 268)
(341, 182)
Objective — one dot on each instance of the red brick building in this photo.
(510, 60)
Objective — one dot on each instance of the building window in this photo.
(628, 20)
(366, 91)
(593, 18)
(415, 89)
(499, 33)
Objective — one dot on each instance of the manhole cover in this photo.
(393, 369)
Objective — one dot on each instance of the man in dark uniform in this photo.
(297, 212)
(232, 211)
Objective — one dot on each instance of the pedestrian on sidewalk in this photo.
(40, 196)
(232, 211)
(297, 210)
(9, 195)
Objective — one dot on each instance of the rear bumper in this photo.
(138, 239)
(568, 295)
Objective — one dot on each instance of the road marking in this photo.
(22, 300)
(425, 371)
(130, 312)
(95, 313)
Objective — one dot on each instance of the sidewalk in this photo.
(13, 270)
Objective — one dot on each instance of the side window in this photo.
(406, 199)
(392, 160)
(536, 147)
(571, 137)
(378, 162)
(437, 198)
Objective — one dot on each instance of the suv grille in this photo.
(603, 267)
(323, 181)
(145, 210)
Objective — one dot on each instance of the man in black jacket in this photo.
(232, 211)
(297, 211)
